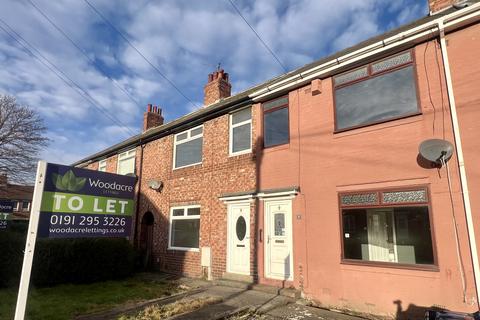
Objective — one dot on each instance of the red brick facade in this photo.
(202, 185)
(437, 5)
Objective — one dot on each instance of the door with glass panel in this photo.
(238, 251)
(381, 235)
(278, 239)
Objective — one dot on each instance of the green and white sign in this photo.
(84, 203)
(6, 211)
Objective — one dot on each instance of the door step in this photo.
(233, 284)
(237, 277)
(286, 292)
(246, 282)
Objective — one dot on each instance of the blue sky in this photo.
(184, 39)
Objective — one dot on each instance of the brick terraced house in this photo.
(314, 180)
(20, 195)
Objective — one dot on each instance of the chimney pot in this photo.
(439, 5)
(217, 87)
(152, 118)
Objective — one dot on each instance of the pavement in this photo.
(248, 304)
(237, 302)
(234, 300)
(300, 312)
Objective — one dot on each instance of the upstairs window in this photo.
(102, 165)
(15, 205)
(377, 92)
(126, 162)
(275, 122)
(188, 148)
(391, 226)
(241, 131)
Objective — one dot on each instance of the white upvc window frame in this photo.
(127, 155)
(230, 133)
(29, 203)
(189, 138)
(17, 206)
(102, 165)
(184, 217)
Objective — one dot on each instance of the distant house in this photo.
(314, 180)
(21, 196)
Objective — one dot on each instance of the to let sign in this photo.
(79, 203)
(6, 210)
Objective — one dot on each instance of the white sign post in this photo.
(31, 240)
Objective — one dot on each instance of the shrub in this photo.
(81, 261)
(12, 245)
(66, 260)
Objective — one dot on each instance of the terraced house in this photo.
(314, 179)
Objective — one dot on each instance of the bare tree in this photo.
(21, 139)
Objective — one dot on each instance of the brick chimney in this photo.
(438, 5)
(217, 87)
(152, 117)
(3, 179)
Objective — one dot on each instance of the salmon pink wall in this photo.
(463, 50)
(324, 163)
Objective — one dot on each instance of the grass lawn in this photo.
(66, 301)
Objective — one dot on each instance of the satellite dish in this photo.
(436, 150)
(154, 184)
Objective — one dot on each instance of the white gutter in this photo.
(415, 35)
(461, 162)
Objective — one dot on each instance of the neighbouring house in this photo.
(314, 179)
(20, 195)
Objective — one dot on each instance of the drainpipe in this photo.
(461, 163)
(139, 181)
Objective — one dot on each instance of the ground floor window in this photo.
(387, 226)
(184, 228)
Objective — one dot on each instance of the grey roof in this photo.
(242, 99)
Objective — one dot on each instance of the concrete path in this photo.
(245, 304)
(234, 299)
(300, 312)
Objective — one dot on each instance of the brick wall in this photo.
(437, 5)
(200, 185)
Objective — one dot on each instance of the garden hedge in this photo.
(67, 260)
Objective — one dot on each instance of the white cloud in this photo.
(184, 39)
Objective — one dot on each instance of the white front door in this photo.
(238, 238)
(381, 235)
(278, 239)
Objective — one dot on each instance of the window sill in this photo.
(411, 118)
(391, 265)
(188, 166)
(276, 147)
(183, 249)
(240, 153)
